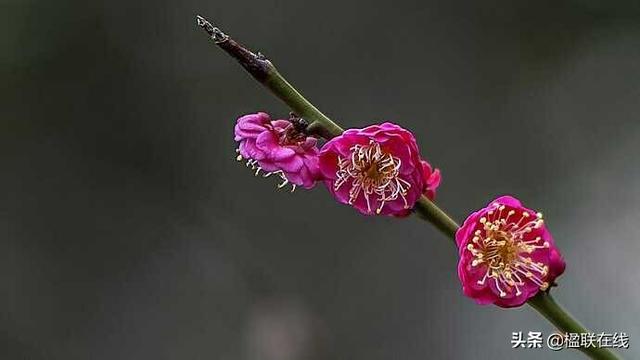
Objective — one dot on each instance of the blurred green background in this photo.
(129, 231)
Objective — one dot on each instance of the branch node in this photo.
(300, 125)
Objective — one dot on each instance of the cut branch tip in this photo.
(216, 34)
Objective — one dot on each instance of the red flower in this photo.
(507, 254)
(276, 147)
(377, 170)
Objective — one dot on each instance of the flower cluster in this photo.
(507, 255)
(377, 170)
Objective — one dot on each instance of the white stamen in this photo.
(374, 174)
(253, 164)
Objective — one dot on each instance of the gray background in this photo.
(129, 231)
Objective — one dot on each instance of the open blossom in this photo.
(507, 254)
(277, 147)
(377, 170)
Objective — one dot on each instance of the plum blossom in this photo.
(377, 170)
(507, 255)
(277, 147)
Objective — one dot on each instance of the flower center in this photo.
(372, 173)
(501, 247)
(291, 136)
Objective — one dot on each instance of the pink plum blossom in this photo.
(377, 170)
(507, 254)
(277, 147)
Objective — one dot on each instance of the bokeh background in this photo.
(129, 231)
